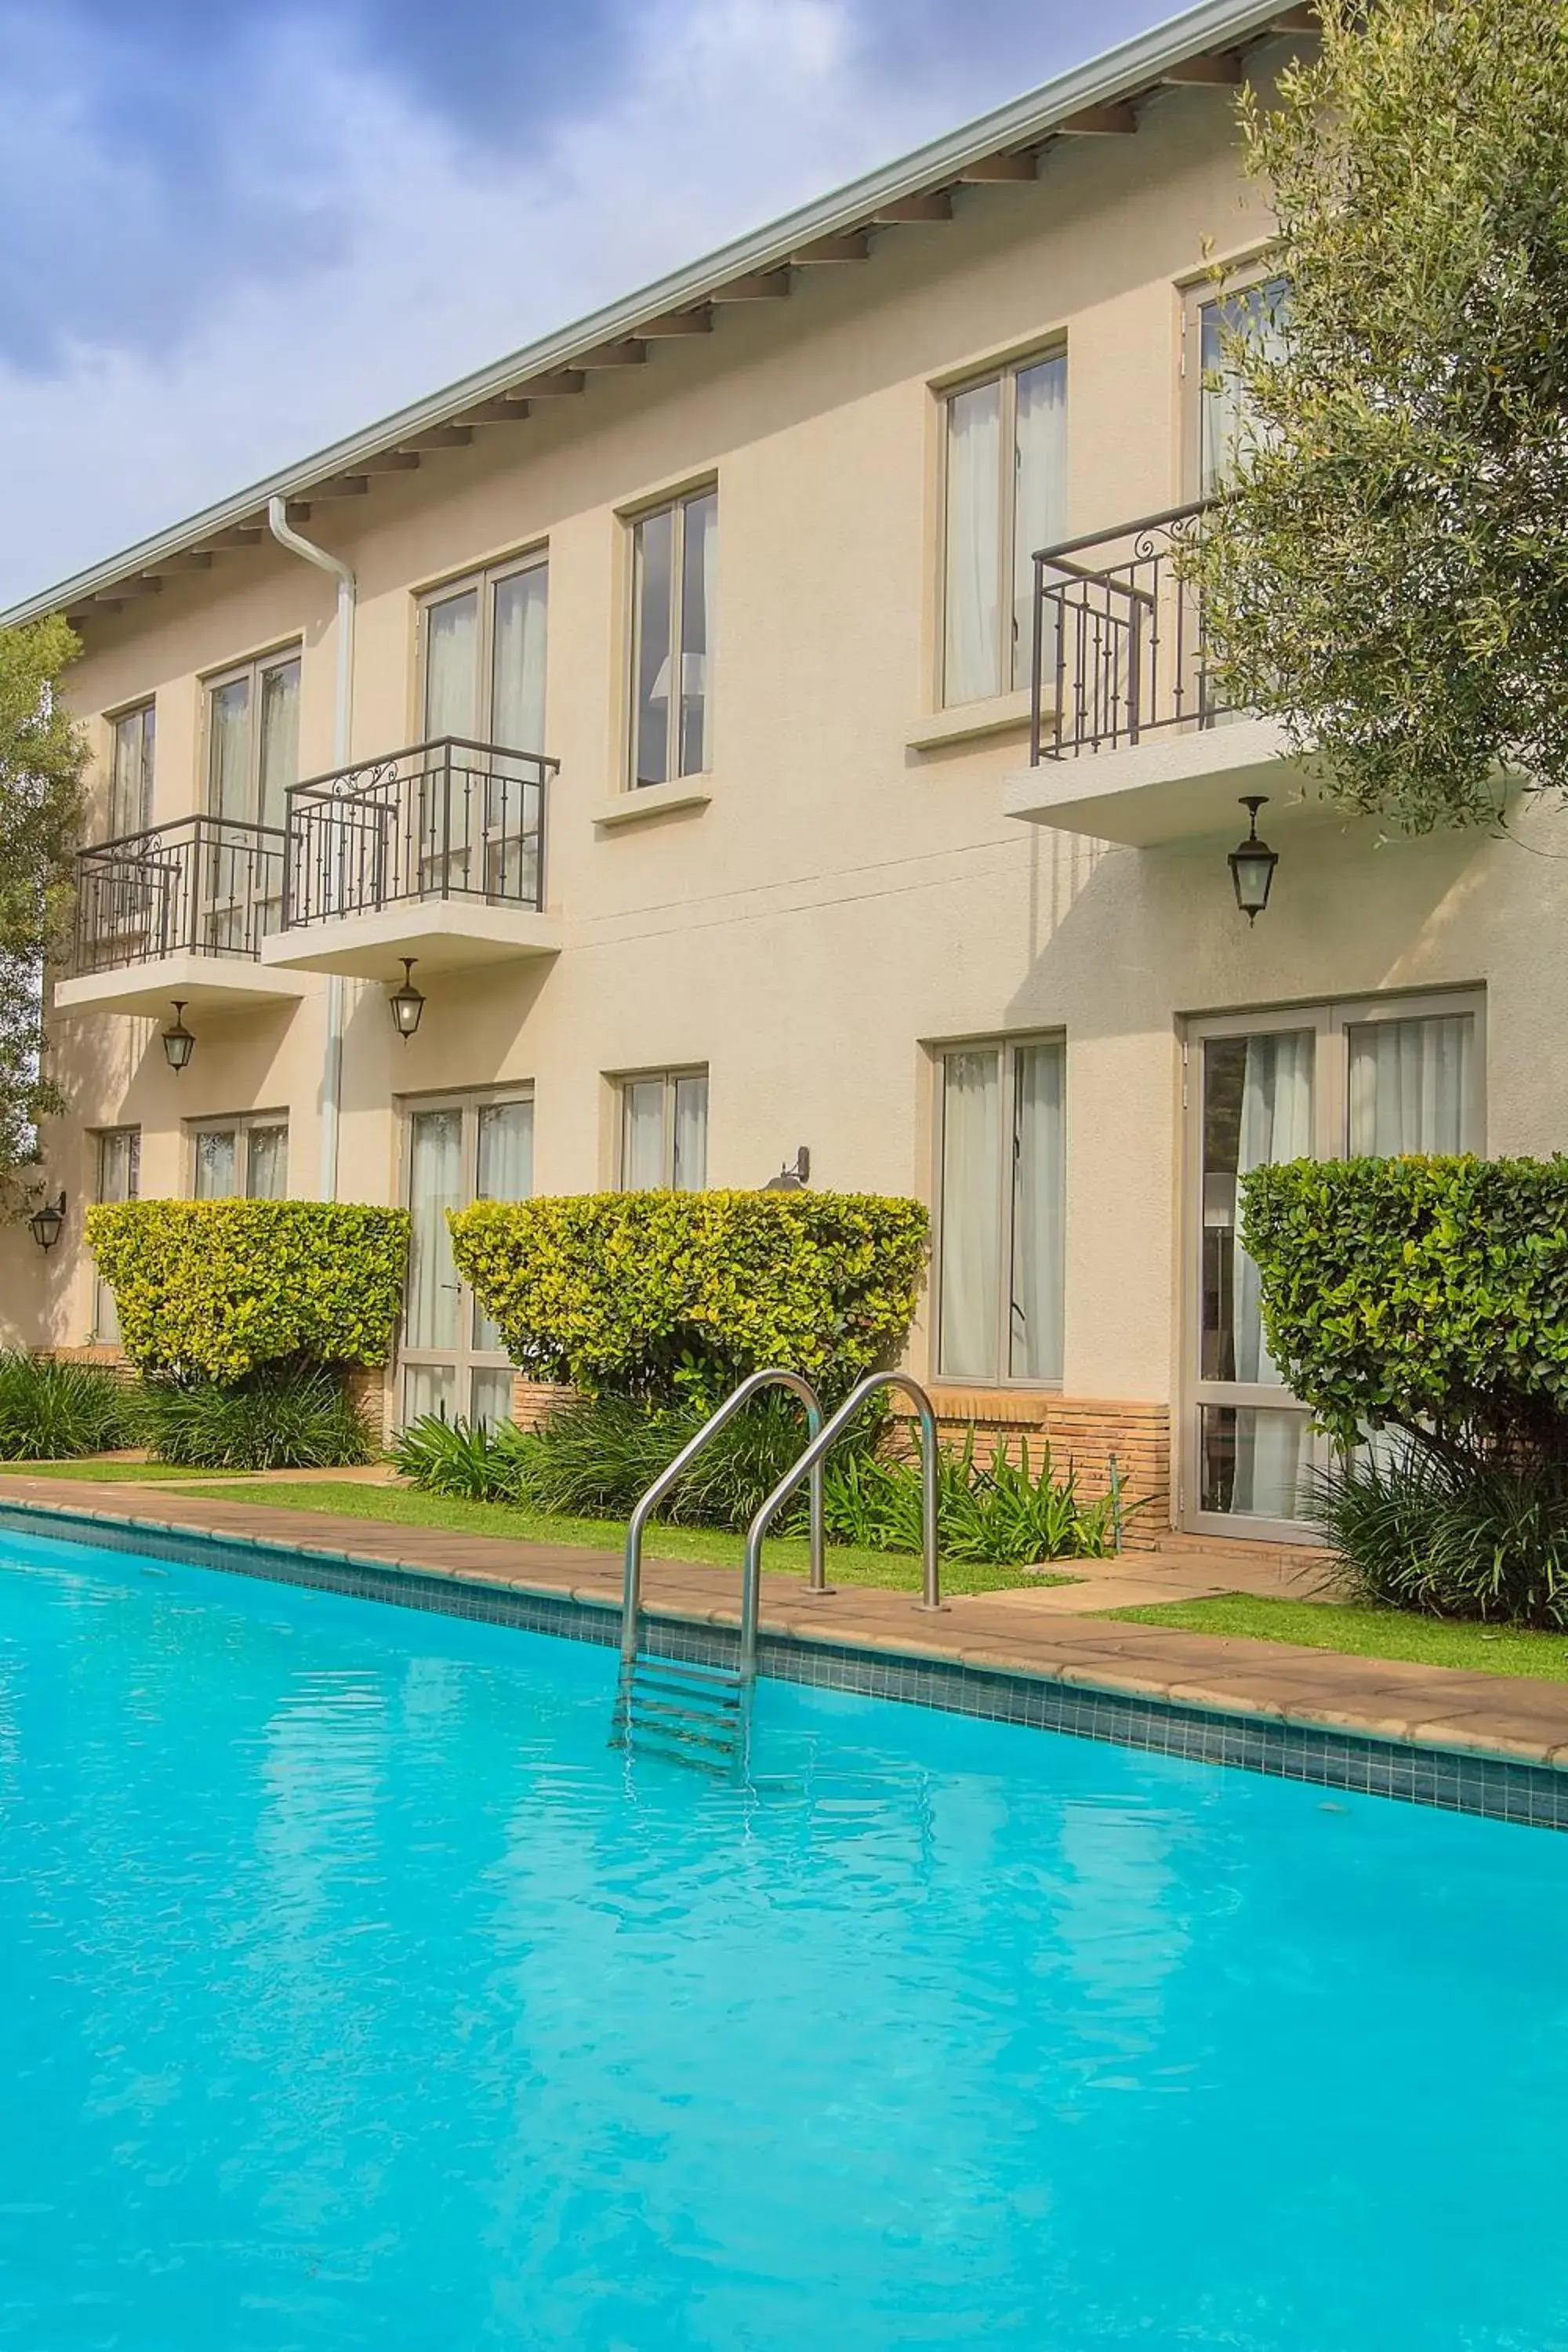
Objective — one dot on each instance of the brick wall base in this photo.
(533, 1402)
(1085, 1434)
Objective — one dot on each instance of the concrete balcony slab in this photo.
(1182, 784)
(439, 934)
(210, 983)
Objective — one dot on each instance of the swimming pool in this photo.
(357, 1993)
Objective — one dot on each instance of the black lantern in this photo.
(1252, 863)
(792, 1180)
(178, 1043)
(406, 1003)
(47, 1222)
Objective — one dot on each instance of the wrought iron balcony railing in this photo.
(1120, 647)
(201, 886)
(445, 820)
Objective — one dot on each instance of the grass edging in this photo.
(1352, 1632)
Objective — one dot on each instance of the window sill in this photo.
(652, 799)
(970, 722)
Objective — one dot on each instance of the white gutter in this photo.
(287, 536)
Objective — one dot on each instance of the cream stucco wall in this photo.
(845, 899)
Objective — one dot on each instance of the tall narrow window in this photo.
(999, 1284)
(674, 563)
(453, 1358)
(1256, 315)
(1005, 498)
(253, 740)
(664, 1131)
(118, 1172)
(131, 773)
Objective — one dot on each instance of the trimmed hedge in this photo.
(654, 1294)
(1428, 1294)
(221, 1287)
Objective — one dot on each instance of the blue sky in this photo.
(236, 228)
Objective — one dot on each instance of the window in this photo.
(999, 1286)
(453, 1358)
(1004, 497)
(131, 773)
(1382, 1079)
(119, 1174)
(674, 554)
(484, 649)
(245, 1156)
(664, 1131)
(1258, 314)
(253, 739)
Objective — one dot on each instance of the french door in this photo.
(453, 1360)
(1381, 1078)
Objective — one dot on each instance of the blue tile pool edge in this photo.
(1510, 1788)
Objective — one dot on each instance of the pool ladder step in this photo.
(668, 1708)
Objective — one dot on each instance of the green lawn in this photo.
(1365, 1633)
(784, 1556)
(95, 1467)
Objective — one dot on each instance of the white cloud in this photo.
(728, 112)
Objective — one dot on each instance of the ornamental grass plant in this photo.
(285, 1417)
(52, 1412)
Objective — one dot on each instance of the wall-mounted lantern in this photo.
(792, 1180)
(47, 1222)
(1252, 863)
(407, 1003)
(178, 1043)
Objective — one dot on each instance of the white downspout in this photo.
(333, 1072)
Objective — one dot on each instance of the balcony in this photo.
(438, 853)
(179, 911)
(1130, 738)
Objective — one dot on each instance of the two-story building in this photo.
(676, 714)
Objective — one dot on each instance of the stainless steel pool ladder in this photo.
(703, 1713)
(698, 1712)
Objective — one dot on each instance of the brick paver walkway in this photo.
(1022, 1632)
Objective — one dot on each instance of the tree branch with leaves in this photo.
(1388, 576)
(43, 754)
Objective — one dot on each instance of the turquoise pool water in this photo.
(357, 1994)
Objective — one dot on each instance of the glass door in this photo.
(119, 1166)
(1382, 1078)
(453, 1361)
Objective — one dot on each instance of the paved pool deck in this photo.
(1032, 1633)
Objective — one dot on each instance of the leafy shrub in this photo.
(656, 1294)
(1415, 1532)
(597, 1457)
(292, 1417)
(1008, 1514)
(469, 1460)
(220, 1289)
(1430, 1295)
(53, 1411)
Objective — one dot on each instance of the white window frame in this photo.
(1331, 1023)
(241, 1125)
(482, 582)
(1010, 655)
(669, 1079)
(675, 507)
(252, 671)
(465, 1356)
(1009, 1045)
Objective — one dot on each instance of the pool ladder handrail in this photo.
(823, 1441)
(774, 1376)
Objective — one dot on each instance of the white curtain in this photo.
(130, 783)
(267, 1164)
(970, 1214)
(427, 1388)
(691, 1171)
(1259, 316)
(490, 1396)
(642, 1135)
(970, 666)
(1410, 1086)
(228, 749)
(451, 666)
(280, 752)
(435, 1166)
(653, 546)
(518, 659)
(1039, 498)
(697, 567)
(503, 1170)
(1277, 1123)
(1036, 1341)
(119, 1162)
(217, 1164)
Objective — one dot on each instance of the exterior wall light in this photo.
(406, 1003)
(178, 1043)
(47, 1222)
(1252, 863)
(792, 1180)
